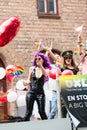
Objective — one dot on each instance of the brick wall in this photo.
(61, 31)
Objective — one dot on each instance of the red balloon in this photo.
(9, 77)
(8, 30)
(67, 72)
(3, 99)
(10, 72)
(52, 73)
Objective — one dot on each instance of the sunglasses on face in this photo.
(38, 58)
(68, 58)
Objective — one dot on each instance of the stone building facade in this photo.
(58, 30)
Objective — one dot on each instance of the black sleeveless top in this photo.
(74, 70)
(36, 85)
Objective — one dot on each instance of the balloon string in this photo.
(12, 84)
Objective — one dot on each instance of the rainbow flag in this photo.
(20, 70)
(59, 64)
(39, 45)
(76, 51)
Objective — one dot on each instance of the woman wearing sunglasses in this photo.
(36, 79)
(69, 62)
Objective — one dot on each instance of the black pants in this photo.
(40, 99)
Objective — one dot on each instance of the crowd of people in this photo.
(39, 77)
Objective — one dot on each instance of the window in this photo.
(47, 7)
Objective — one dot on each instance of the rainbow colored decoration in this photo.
(59, 64)
(11, 72)
(20, 70)
(39, 45)
(77, 51)
(81, 43)
(47, 53)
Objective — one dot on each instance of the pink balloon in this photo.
(12, 67)
(84, 67)
(67, 72)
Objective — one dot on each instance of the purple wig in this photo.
(46, 63)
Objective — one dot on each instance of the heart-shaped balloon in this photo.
(10, 72)
(8, 30)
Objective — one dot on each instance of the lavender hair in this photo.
(46, 63)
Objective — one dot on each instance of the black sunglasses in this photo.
(39, 58)
(68, 57)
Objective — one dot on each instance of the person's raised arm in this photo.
(49, 51)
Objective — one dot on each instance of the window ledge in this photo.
(51, 16)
